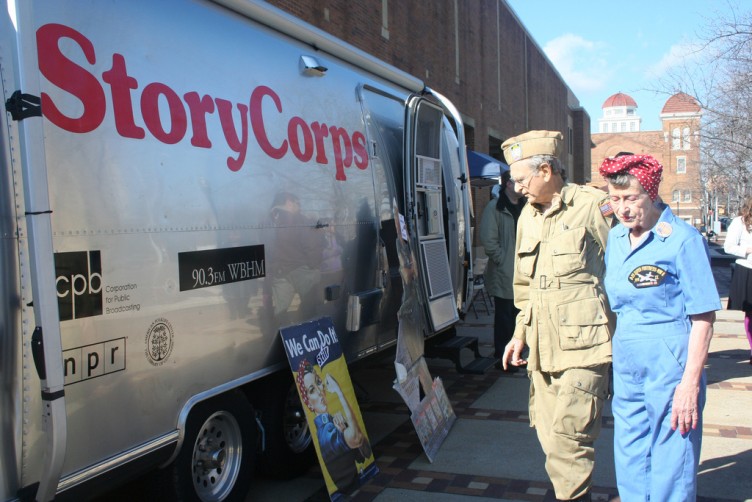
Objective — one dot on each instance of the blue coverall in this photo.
(654, 289)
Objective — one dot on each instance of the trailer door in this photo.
(425, 196)
(45, 341)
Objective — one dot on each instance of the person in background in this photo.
(661, 287)
(564, 317)
(496, 190)
(739, 243)
(498, 228)
(332, 270)
(297, 255)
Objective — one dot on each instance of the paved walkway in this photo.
(491, 452)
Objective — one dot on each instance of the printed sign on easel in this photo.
(430, 410)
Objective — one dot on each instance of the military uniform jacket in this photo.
(497, 236)
(559, 265)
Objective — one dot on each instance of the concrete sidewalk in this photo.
(491, 453)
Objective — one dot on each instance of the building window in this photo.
(687, 196)
(685, 138)
(604, 127)
(623, 127)
(681, 165)
(630, 111)
(632, 126)
(385, 19)
(456, 43)
(675, 196)
(675, 139)
(608, 112)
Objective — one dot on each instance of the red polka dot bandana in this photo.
(303, 368)
(645, 168)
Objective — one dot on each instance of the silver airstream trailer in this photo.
(181, 179)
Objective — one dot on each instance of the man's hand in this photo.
(512, 353)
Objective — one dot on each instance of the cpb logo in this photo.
(79, 284)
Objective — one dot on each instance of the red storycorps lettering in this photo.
(304, 140)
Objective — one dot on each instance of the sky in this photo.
(601, 47)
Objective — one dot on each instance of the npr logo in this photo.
(90, 361)
(79, 284)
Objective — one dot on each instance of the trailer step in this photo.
(451, 349)
(478, 366)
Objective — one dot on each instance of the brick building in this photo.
(676, 146)
(477, 53)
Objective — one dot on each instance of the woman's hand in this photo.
(339, 422)
(685, 414)
(685, 411)
(332, 385)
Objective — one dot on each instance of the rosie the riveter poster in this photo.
(323, 381)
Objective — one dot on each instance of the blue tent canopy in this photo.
(481, 165)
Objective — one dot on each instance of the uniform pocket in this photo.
(568, 251)
(582, 324)
(677, 348)
(526, 314)
(527, 255)
(580, 404)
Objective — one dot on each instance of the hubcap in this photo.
(217, 456)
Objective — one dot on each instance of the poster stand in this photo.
(430, 410)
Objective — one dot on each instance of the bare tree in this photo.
(719, 78)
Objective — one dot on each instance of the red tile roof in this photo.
(619, 99)
(681, 103)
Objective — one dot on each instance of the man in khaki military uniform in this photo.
(564, 317)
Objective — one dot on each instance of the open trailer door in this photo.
(44, 339)
(426, 209)
(458, 201)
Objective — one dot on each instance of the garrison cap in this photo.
(532, 143)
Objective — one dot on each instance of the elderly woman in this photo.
(660, 285)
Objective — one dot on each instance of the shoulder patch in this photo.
(664, 229)
(606, 209)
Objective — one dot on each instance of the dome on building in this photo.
(681, 103)
(619, 99)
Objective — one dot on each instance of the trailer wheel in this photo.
(216, 460)
(289, 450)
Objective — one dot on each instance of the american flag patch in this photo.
(606, 209)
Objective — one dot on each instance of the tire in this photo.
(216, 460)
(288, 451)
